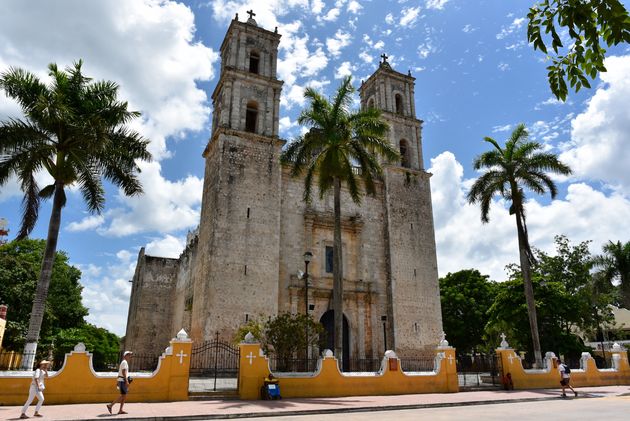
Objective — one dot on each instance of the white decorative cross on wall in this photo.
(510, 358)
(251, 357)
(181, 356)
(451, 358)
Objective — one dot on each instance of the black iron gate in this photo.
(479, 371)
(214, 359)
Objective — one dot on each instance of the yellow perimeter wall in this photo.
(329, 382)
(589, 375)
(77, 382)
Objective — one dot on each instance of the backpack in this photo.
(567, 370)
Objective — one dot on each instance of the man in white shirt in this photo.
(565, 378)
(123, 383)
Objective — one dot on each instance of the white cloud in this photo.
(503, 66)
(436, 4)
(166, 206)
(88, 223)
(354, 7)
(409, 16)
(317, 6)
(332, 15)
(169, 246)
(366, 57)
(468, 29)
(599, 147)
(514, 26)
(339, 41)
(389, 19)
(464, 242)
(107, 296)
(345, 69)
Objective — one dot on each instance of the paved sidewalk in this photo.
(199, 410)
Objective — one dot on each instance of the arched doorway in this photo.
(328, 321)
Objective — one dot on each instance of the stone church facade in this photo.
(244, 258)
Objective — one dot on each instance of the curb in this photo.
(336, 411)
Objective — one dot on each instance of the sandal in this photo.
(109, 407)
(122, 412)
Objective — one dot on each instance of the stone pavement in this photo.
(200, 410)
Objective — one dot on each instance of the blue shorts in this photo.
(122, 386)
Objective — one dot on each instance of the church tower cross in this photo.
(251, 13)
(384, 57)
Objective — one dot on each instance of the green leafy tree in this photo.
(568, 301)
(615, 266)
(75, 130)
(590, 25)
(466, 297)
(20, 263)
(509, 170)
(103, 344)
(285, 335)
(338, 140)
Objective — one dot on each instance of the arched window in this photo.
(251, 116)
(404, 153)
(370, 103)
(399, 104)
(254, 60)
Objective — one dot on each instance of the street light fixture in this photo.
(308, 256)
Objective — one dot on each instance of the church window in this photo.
(399, 104)
(245, 269)
(404, 153)
(251, 115)
(254, 61)
(247, 213)
(329, 259)
(370, 103)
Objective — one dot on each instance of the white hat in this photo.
(127, 353)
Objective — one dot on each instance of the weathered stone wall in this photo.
(415, 297)
(239, 234)
(311, 228)
(150, 307)
(183, 293)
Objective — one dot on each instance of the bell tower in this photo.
(414, 310)
(247, 96)
(238, 246)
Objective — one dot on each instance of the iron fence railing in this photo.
(352, 365)
(101, 362)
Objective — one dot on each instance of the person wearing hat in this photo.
(123, 383)
(37, 389)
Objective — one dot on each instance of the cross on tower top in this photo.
(384, 57)
(251, 14)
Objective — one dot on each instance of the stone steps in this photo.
(210, 395)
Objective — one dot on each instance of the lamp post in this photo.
(308, 256)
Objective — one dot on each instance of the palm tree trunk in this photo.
(39, 303)
(338, 275)
(523, 246)
(625, 291)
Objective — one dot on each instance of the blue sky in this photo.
(475, 76)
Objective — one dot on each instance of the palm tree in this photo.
(518, 165)
(337, 141)
(74, 129)
(615, 264)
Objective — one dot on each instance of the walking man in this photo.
(565, 378)
(37, 389)
(123, 383)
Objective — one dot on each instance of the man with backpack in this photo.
(565, 378)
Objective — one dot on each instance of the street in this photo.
(608, 408)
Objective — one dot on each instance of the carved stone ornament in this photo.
(504, 343)
(182, 335)
(443, 341)
(390, 354)
(249, 338)
(327, 353)
(80, 347)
